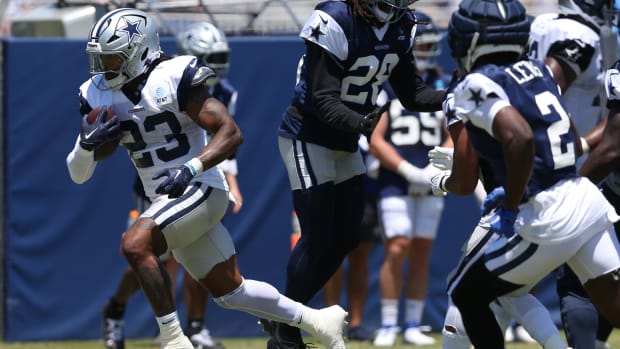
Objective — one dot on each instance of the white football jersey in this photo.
(155, 132)
(582, 98)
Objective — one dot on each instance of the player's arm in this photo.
(326, 83)
(80, 163)
(606, 156)
(464, 176)
(411, 90)
(212, 116)
(517, 141)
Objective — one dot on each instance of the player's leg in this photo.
(535, 318)
(114, 311)
(357, 285)
(328, 201)
(597, 265)
(579, 315)
(212, 260)
(154, 233)
(357, 281)
(196, 298)
(395, 213)
(426, 216)
(333, 288)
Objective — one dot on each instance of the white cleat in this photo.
(180, 342)
(414, 336)
(386, 336)
(328, 325)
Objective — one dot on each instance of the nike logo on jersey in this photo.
(323, 19)
(300, 317)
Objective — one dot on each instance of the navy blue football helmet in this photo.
(482, 27)
(387, 11)
(426, 45)
(597, 12)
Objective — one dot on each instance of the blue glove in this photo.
(492, 201)
(92, 136)
(177, 181)
(503, 221)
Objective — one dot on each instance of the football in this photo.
(106, 149)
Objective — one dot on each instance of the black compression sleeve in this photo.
(326, 81)
(404, 80)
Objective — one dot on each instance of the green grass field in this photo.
(246, 343)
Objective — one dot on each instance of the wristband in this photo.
(442, 183)
(405, 169)
(195, 166)
(585, 148)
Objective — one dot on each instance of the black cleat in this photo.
(277, 341)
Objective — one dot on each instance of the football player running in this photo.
(547, 214)
(352, 47)
(164, 109)
(209, 44)
(572, 44)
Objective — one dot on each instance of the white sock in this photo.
(264, 301)
(414, 308)
(450, 340)
(532, 315)
(502, 316)
(456, 338)
(169, 326)
(555, 342)
(389, 312)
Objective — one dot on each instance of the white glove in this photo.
(441, 157)
(419, 189)
(438, 183)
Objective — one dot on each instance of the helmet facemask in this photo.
(387, 11)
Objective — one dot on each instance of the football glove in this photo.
(177, 180)
(492, 201)
(438, 182)
(370, 120)
(441, 157)
(503, 221)
(92, 136)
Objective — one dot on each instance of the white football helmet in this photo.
(208, 43)
(130, 35)
(387, 11)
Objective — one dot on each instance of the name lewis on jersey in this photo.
(523, 71)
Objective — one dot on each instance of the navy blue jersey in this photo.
(412, 134)
(528, 86)
(226, 93)
(366, 56)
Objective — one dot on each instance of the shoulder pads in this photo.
(204, 75)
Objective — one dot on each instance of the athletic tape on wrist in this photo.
(195, 166)
(585, 147)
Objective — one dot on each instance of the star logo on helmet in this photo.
(476, 96)
(131, 28)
